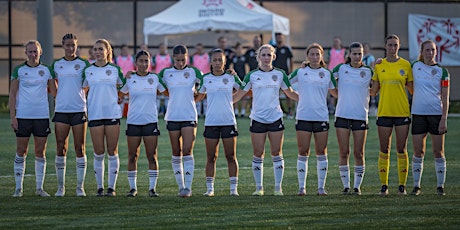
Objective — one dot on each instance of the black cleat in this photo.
(132, 193)
(152, 193)
(416, 191)
(356, 191)
(346, 191)
(100, 192)
(402, 190)
(111, 192)
(440, 191)
(384, 190)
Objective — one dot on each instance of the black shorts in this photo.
(103, 122)
(216, 132)
(345, 123)
(312, 126)
(257, 127)
(392, 121)
(143, 130)
(70, 118)
(422, 124)
(37, 127)
(178, 125)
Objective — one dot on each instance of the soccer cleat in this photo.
(402, 190)
(258, 192)
(100, 192)
(186, 192)
(131, 193)
(416, 191)
(346, 191)
(60, 192)
(356, 191)
(384, 190)
(302, 192)
(152, 193)
(208, 193)
(111, 192)
(234, 193)
(42, 193)
(278, 193)
(322, 192)
(440, 191)
(81, 192)
(17, 193)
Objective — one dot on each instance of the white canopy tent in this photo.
(188, 16)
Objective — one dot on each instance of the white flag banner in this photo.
(445, 32)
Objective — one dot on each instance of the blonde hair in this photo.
(33, 42)
(265, 46)
(108, 47)
(315, 45)
(420, 56)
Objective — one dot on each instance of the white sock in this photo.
(243, 111)
(178, 170)
(321, 168)
(189, 168)
(359, 175)
(417, 170)
(60, 165)
(153, 178)
(81, 171)
(302, 170)
(19, 170)
(40, 171)
(132, 179)
(210, 183)
(234, 183)
(114, 167)
(258, 171)
(99, 169)
(344, 171)
(278, 170)
(440, 166)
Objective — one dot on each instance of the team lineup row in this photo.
(93, 92)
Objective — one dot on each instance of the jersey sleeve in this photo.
(410, 77)
(238, 82)
(246, 86)
(285, 84)
(335, 71)
(445, 78)
(199, 76)
(124, 89)
(333, 83)
(293, 76)
(15, 74)
(52, 74)
(162, 86)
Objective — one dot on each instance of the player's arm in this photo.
(291, 94)
(445, 92)
(12, 103)
(374, 88)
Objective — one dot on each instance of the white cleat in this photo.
(81, 192)
(42, 193)
(17, 193)
(208, 193)
(60, 192)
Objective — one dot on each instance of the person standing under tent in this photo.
(336, 55)
(284, 61)
(238, 63)
(160, 61)
(201, 60)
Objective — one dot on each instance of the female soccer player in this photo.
(142, 122)
(29, 112)
(103, 80)
(181, 116)
(430, 106)
(391, 78)
(351, 114)
(266, 115)
(70, 113)
(314, 82)
(220, 120)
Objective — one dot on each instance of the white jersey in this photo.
(32, 97)
(353, 88)
(181, 88)
(103, 92)
(312, 87)
(265, 92)
(70, 96)
(427, 88)
(219, 91)
(142, 90)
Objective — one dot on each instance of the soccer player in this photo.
(29, 113)
(266, 115)
(430, 106)
(103, 80)
(181, 116)
(314, 82)
(142, 122)
(220, 120)
(392, 77)
(70, 113)
(351, 115)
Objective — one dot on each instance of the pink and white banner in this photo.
(445, 32)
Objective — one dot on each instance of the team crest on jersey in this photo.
(321, 74)
(274, 77)
(108, 72)
(77, 66)
(41, 73)
(346, 72)
(433, 72)
(60, 67)
(225, 80)
(363, 74)
(402, 72)
(150, 81)
(209, 81)
(186, 74)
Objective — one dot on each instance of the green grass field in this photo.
(168, 211)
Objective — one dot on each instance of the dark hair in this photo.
(142, 52)
(68, 36)
(420, 56)
(353, 45)
(391, 36)
(123, 46)
(215, 51)
(317, 46)
(238, 44)
(180, 49)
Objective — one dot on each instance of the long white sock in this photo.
(210, 183)
(302, 170)
(258, 171)
(19, 170)
(417, 170)
(40, 171)
(60, 165)
(114, 167)
(321, 168)
(440, 166)
(359, 175)
(132, 179)
(234, 183)
(81, 171)
(344, 171)
(278, 170)
(178, 170)
(99, 169)
(189, 169)
(153, 178)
